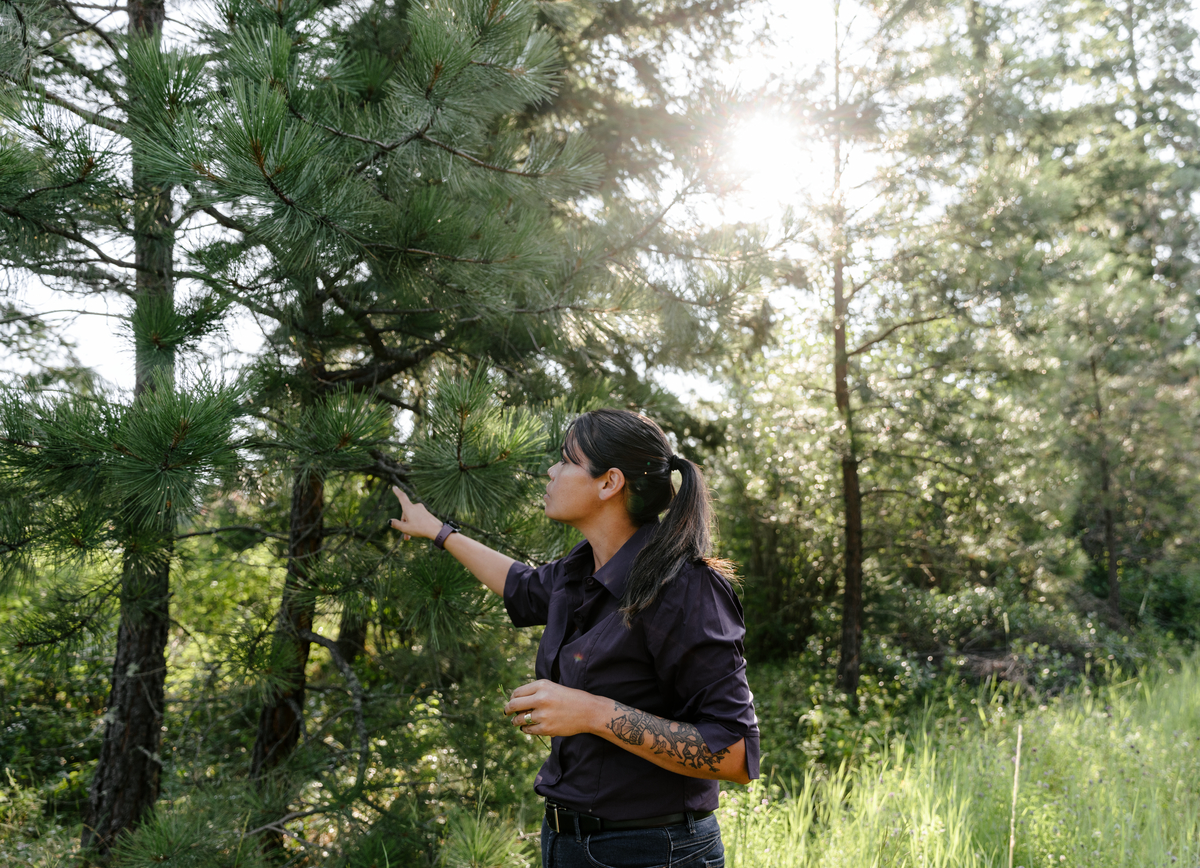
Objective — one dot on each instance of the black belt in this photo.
(561, 818)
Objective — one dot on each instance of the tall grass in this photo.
(1110, 776)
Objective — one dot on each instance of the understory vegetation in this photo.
(1109, 775)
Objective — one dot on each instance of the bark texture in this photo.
(127, 778)
(852, 606)
(282, 719)
(126, 782)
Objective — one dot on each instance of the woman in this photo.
(641, 681)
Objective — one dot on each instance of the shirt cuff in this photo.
(520, 609)
(718, 736)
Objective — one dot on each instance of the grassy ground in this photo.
(1109, 776)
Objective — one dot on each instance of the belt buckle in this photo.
(556, 828)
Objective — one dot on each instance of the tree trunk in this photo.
(1110, 524)
(282, 719)
(852, 608)
(127, 777)
(128, 773)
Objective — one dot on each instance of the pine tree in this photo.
(75, 188)
(1124, 315)
(387, 218)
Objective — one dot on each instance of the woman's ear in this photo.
(612, 483)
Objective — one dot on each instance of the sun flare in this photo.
(767, 163)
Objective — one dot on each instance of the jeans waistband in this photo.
(560, 818)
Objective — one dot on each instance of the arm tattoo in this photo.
(680, 741)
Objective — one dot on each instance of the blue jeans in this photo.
(694, 845)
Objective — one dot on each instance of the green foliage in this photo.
(473, 455)
(191, 835)
(442, 603)
(49, 706)
(95, 461)
(338, 434)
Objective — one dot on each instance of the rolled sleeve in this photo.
(527, 594)
(696, 639)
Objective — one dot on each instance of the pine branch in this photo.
(276, 825)
(233, 528)
(478, 162)
(885, 334)
(658, 218)
(89, 25)
(80, 623)
(944, 464)
(62, 102)
(388, 148)
(416, 251)
(74, 236)
(95, 76)
(361, 378)
(391, 361)
(538, 311)
(393, 472)
(88, 165)
(20, 20)
(92, 277)
(42, 49)
(381, 395)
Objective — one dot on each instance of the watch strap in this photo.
(440, 539)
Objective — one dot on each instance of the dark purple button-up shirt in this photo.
(681, 659)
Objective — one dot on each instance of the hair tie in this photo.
(676, 463)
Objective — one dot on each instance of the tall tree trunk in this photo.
(1110, 524)
(282, 719)
(127, 777)
(852, 608)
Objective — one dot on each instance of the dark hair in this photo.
(604, 439)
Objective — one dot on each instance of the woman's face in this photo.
(572, 494)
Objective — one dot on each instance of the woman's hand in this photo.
(545, 708)
(415, 519)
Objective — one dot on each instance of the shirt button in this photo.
(591, 583)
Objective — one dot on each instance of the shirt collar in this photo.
(616, 570)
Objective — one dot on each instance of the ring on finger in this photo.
(528, 718)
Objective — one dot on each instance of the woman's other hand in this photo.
(545, 708)
(415, 519)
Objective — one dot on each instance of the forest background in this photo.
(918, 291)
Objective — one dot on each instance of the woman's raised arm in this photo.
(486, 564)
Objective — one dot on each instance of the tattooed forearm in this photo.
(680, 741)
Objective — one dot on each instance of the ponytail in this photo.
(604, 439)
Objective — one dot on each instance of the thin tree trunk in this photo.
(128, 773)
(282, 719)
(852, 609)
(1110, 524)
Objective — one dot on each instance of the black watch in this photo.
(447, 529)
